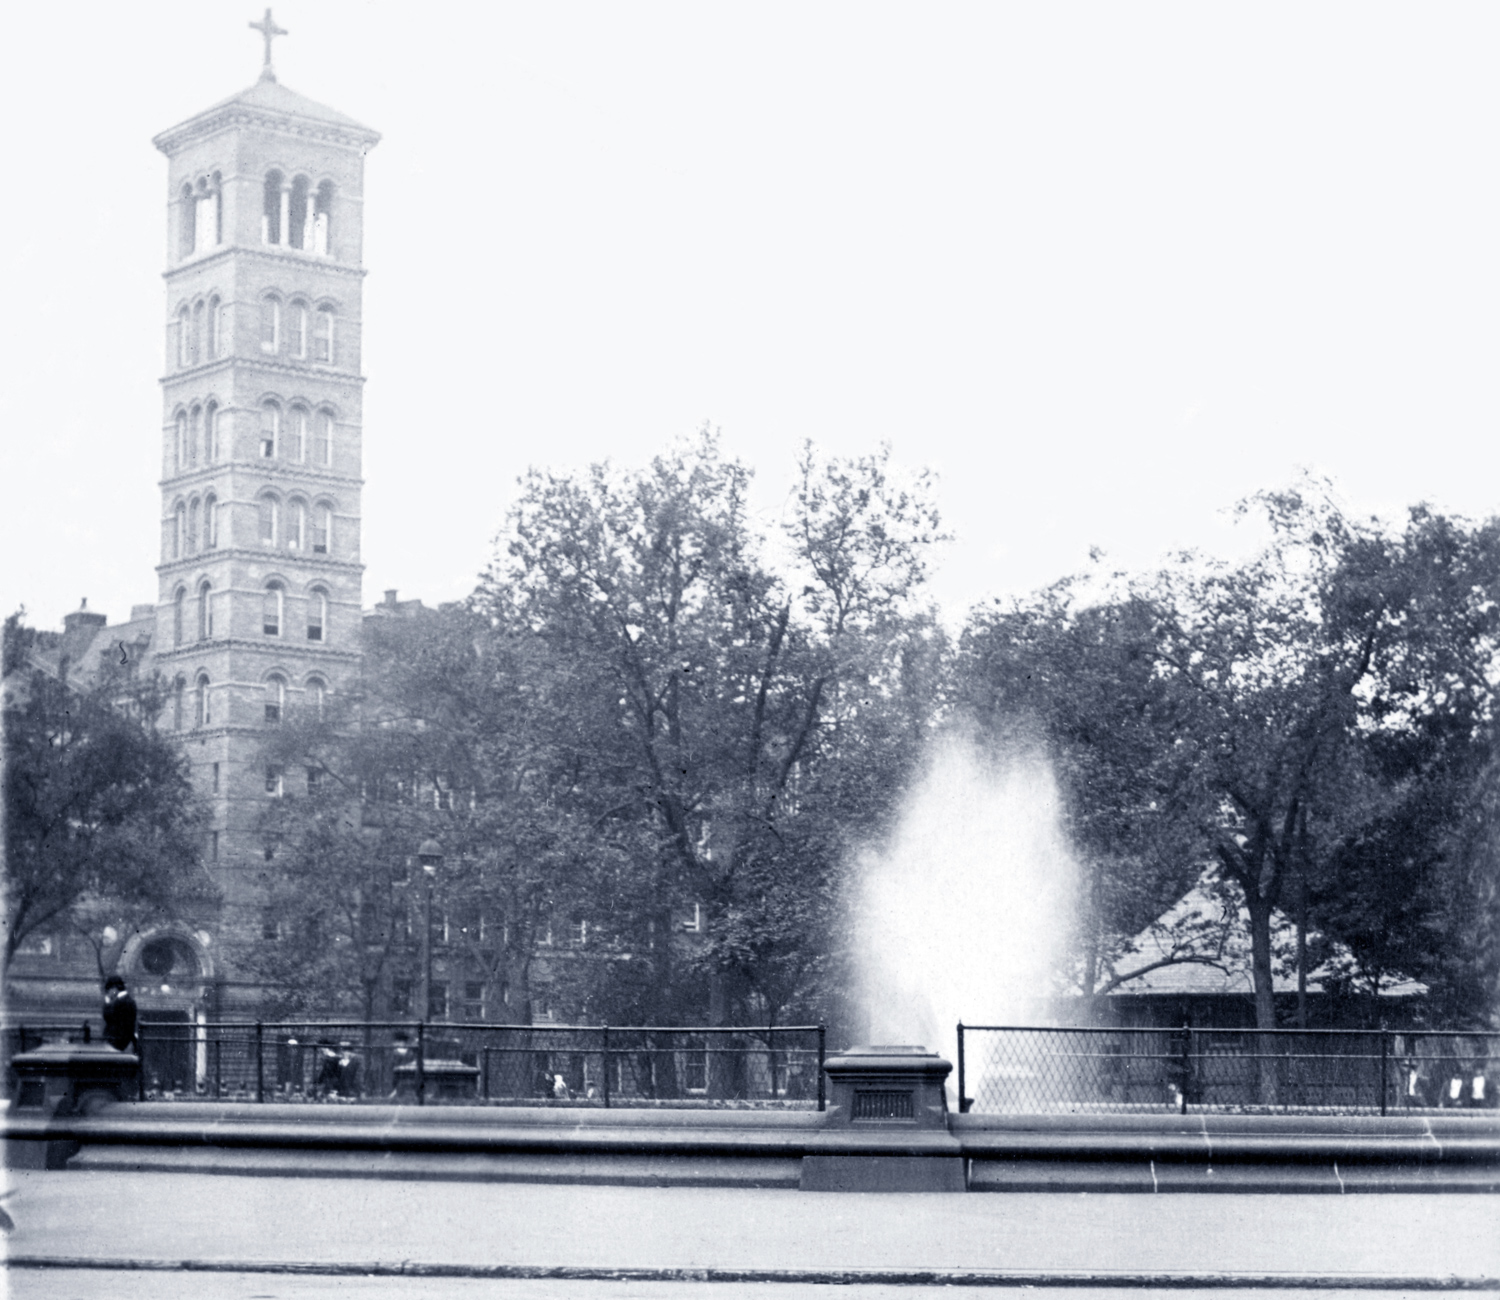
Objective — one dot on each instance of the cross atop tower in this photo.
(269, 32)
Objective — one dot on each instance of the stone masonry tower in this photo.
(258, 604)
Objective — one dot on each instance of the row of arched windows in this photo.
(273, 692)
(200, 217)
(294, 523)
(203, 331)
(196, 435)
(273, 612)
(298, 434)
(297, 329)
(195, 526)
(295, 214)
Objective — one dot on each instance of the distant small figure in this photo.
(560, 1087)
(119, 1015)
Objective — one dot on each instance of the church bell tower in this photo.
(258, 603)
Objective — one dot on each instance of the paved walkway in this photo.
(350, 1227)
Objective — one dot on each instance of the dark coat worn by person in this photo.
(119, 1014)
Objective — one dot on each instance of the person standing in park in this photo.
(119, 1015)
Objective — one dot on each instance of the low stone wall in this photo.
(781, 1149)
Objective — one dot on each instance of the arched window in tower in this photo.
(273, 213)
(206, 213)
(192, 526)
(211, 432)
(179, 689)
(179, 531)
(210, 522)
(273, 608)
(294, 444)
(202, 716)
(322, 445)
(195, 434)
(196, 354)
(296, 524)
(184, 336)
(179, 442)
(300, 214)
(317, 694)
(215, 339)
(317, 615)
(296, 324)
(270, 324)
(205, 611)
(270, 429)
(187, 221)
(322, 529)
(322, 239)
(179, 603)
(275, 698)
(323, 337)
(268, 509)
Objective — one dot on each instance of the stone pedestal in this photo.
(63, 1079)
(442, 1080)
(887, 1127)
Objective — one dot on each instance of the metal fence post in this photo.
(1385, 1043)
(822, 1055)
(140, 1063)
(606, 1067)
(421, 1063)
(1187, 1066)
(260, 1059)
(963, 1102)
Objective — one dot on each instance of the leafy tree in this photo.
(100, 816)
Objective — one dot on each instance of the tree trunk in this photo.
(1265, 996)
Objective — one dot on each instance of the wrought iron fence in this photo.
(1013, 1069)
(426, 1062)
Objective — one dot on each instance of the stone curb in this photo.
(825, 1277)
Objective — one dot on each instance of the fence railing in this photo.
(1016, 1069)
(423, 1062)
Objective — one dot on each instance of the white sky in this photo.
(1105, 267)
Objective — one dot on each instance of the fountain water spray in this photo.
(964, 911)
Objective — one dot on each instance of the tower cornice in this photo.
(269, 106)
(290, 256)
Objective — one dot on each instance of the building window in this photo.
(179, 601)
(226, 328)
(400, 997)
(296, 524)
(192, 526)
(322, 446)
(322, 529)
(275, 698)
(473, 1002)
(270, 930)
(210, 522)
(294, 445)
(200, 709)
(211, 432)
(270, 324)
(273, 211)
(179, 692)
(195, 434)
(270, 429)
(274, 784)
(299, 215)
(323, 339)
(205, 611)
(314, 779)
(195, 348)
(437, 1001)
(179, 442)
(179, 530)
(268, 508)
(187, 222)
(273, 609)
(215, 327)
(207, 218)
(317, 690)
(317, 614)
(323, 219)
(213, 846)
(216, 778)
(297, 325)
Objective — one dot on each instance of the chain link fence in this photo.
(1018, 1070)
(513, 1065)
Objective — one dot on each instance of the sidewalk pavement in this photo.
(585, 1235)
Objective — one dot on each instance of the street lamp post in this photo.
(430, 855)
